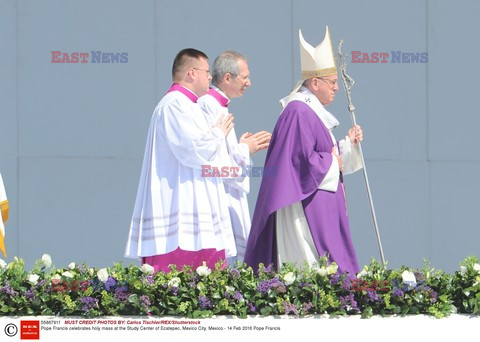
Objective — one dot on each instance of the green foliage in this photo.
(237, 291)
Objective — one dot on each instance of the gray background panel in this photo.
(8, 79)
(453, 75)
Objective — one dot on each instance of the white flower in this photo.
(33, 279)
(91, 271)
(409, 279)
(362, 273)
(463, 270)
(289, 278)
(2, 263)
(203, 270)
(56, 277)
(47, 260)
(174, 282)
(102, 275)
(476, 267)
(322, 272)
(67, 274)
(71, 265)
(147, 269)
(229, 289)
(332, 268)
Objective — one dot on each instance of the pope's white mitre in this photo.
(318, 61)
(315, 62)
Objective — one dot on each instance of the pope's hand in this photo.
(339, 158)
(355, 134)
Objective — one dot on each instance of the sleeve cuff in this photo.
(330, 182)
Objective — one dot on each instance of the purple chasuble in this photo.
(298, 159)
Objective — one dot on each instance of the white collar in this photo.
(221, 92)
(306, 96)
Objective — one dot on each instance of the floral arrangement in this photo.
(238, 291)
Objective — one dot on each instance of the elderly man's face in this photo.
(236, 86)
(325, 88)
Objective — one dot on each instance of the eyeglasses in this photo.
(207, 71)
(331, 83)
(241, 78)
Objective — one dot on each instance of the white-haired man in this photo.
(230, 79)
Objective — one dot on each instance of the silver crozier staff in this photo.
(347, 85)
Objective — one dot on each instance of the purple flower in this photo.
(121, 294)
(145, 301)
(428, 292)
(306, 307)
(290, 308)
(89, 303)
(252, 307)
(433, 296)
(398, 293)
(8, 290)
(419, 276)
(149, 280)
(204, 302)
(174, 290)
(110, 283)
(349, 303)
(267, 270)
(271, 284)
(237, 296)
(335, 279)
(234, 273)
(347, 283)
(30, 295)
(373, 297)
(264, 286)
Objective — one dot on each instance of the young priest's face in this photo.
(202, 77)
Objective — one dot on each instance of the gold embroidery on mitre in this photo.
(319, 73)
(4, 209)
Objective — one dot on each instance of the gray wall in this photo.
(72, 135)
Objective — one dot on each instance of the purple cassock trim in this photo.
(219, 97)
(180, 258)
(184, 91)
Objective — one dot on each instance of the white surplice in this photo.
(175, 206)
(232, 154)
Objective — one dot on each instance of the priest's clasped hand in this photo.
(256, 142)
(225, 123)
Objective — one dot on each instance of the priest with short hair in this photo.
(181, 218)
